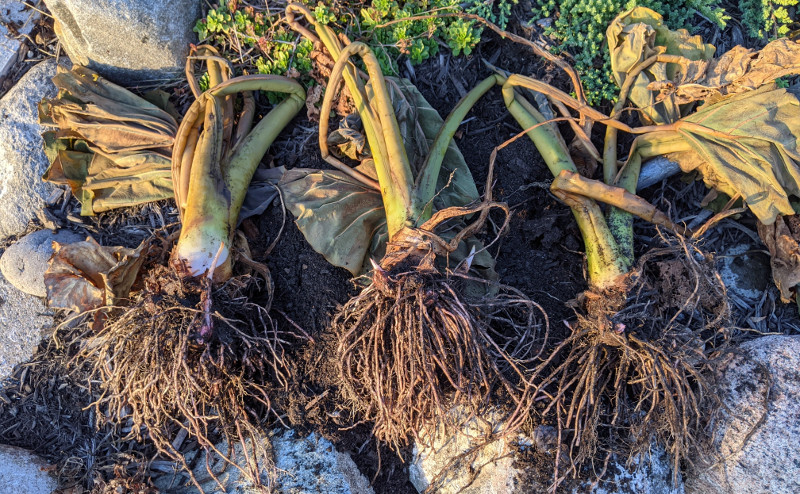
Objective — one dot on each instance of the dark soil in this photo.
(43, 406)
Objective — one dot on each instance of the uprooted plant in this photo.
(635, 366)
(433, 329)
(191, 354)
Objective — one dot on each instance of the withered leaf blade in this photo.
(747, 144)
(639, 34)
(738, 70)
(112, 147)
(784, 252)
(85, 275)
(341, 218)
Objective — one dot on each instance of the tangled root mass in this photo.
(164, 370)
(411, 347)
(636, 368)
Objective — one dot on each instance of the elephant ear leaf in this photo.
(639, 34)
(340, 217)
(747, 144)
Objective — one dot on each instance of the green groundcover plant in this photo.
(578, 28)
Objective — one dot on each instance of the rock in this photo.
(155, 36)
(758, 436)
(22, 158)
(23, 264)
(23, 319)
(745, 271)
(650, 475)
(312, 464)
(302, 466)
(656, 170)
(22, 472)
(23, 19)
(493, 463)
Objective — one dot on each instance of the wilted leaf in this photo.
(747, 144)
(455, 185)
(85, 275)
(639, 34)
(113, 147)
(341, 218)
(738, 70)
(785, 255)
(261, 192)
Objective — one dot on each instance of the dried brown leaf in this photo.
(85, 275)
(784, 251)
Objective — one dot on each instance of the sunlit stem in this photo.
(605, 262)
(384, 137)
(217, 185)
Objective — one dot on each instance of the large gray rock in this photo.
(21, 472)
(127, 41)
(651, 474)
(758, 438)
(23, 320)
(302, 465)
(23, 264)
(312, 464)
(22, 158)
(461, 461)
(23, 19)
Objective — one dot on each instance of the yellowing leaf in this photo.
(341, 218)
(747, 144)
(639, 34)
(738, 70)
(112, 148)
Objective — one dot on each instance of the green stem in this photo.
(605, 262)
(425, 188)
(217, 186)
(383, 134)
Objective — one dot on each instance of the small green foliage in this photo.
(254, 40)
(768, 18)
(579, 28)
(496, 11)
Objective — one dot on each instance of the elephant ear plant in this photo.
(432, 330)
(635, 367)
(190, 353)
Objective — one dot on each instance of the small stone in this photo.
(21, 472)
(24, 263)
(493, 462)
(22, 158)
(156, 36)
(757, 439)
(305, 266)
(745, 271)
(23, 320)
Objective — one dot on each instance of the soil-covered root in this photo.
(413, 345)
(636, 368)
(186, 362)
